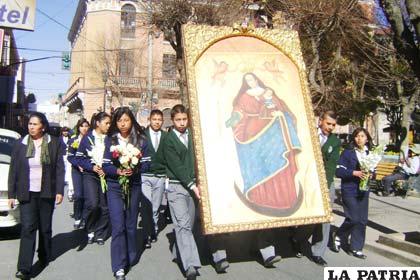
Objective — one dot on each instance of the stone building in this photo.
(118, 59)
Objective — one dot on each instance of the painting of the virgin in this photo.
(258, 159)
(266, 143)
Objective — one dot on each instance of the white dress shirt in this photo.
(155, 137)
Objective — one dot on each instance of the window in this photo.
(169, 66)
(126, 63)
(128, 21)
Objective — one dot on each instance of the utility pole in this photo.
(150, 58)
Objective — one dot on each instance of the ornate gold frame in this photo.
(196, 40)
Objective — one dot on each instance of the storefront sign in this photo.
(18, 14)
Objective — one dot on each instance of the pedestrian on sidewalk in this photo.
(153, 181)
(355, 201)
(183, 193)
(408, 167)
(79, 209)
(36, 180)
(97, 216)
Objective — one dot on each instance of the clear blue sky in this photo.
(45, 78)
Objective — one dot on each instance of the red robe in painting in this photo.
(279, 190)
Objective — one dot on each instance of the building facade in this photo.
(118, 59)
(12, 82)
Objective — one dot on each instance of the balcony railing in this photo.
(141, 82)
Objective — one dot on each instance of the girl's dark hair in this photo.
(355, 133)
(245, 86)
(137, 135)
(79, 124)
(42, 118)
(98, 118)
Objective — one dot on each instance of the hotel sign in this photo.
(18, 14)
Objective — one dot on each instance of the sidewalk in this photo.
(392, 221)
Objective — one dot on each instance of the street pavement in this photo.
(74, 259)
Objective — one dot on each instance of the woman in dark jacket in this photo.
(123, 208)
(355, 201)
(36, 180)
(82, 128)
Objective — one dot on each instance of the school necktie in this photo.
(156, 141)
(184, 139)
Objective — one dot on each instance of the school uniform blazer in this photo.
(111, 165)
(156, 166)
(348, 163)
(330, 155)
(82, 158)
(179, 160)
(52, 181)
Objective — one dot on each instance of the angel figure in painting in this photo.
(267, 143)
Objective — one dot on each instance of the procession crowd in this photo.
(120, 170)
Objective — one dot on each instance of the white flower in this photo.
(135, 161)
(124, 160)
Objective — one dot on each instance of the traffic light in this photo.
(65, 61)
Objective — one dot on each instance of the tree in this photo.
(404, 20)
(170, 15)
(347, 57)
(116, 67)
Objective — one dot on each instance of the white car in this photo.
(8, 217)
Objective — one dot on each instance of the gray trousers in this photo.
(319, 248)
(152, 192)
(182, 207)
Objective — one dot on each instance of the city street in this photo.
(76, 260)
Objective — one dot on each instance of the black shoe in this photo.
(336, 244)
(22, 275)
(71, 215)
(120, 274)
(385, 193)
(82, 225)
(147, 244)
(358, 254)
(91, 239)
(221, 266)
(100, 241)
(318, 260)
(191, 273)
(153, 239)
(296, 248)
(270, 261)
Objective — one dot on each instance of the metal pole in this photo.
(150, 58)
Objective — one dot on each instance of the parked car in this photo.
(8, 217)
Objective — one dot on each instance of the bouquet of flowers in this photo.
(75, 144)
(368, 164)
(96, 156)
(128, 157)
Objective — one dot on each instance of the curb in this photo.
(393, 254)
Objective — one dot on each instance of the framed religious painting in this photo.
(259, 163)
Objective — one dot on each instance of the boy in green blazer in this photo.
(153, 181)
(330, 149)
(183, 193)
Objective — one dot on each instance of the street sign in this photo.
(18, 14)
(65, 60)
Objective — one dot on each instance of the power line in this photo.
(46, 21)
(69, 29)
(79, 51)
